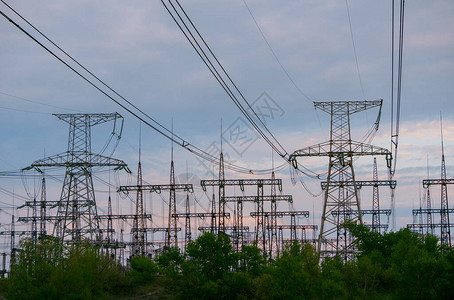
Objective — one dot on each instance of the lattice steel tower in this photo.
(341, 202)
(77, 214)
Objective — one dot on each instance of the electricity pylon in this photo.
(341, 201)
(77, 213)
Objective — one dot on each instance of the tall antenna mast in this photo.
(441, 132)
(221, 135)
(172, 141)
(140, 140)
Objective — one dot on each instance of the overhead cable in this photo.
(151, 122)
(395, 107)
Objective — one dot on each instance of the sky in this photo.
(138, 50)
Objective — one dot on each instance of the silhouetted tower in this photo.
(138, 247)
(187, 225)
(273, 219)
(221, 193)
(444, 210)
(213, 213)
(429, 212)
(341, 202)
(34, 219)
(260, 227)
(42, 224)
(13, 240)
(172, 233)
(280, 248)
(445, 224)
(110, 229)
(122, 249)
(375, 201)
(77, 213)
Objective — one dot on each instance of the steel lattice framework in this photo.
(341, 149)
(172, 230)
(376, 212)
(77, 213)
(260, 224)
(444, 211)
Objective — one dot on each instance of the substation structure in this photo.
(430, 219)
(74, 217)
(341, 201)
(77, 217)
(266, 237)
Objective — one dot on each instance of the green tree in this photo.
(403, 264)
(211, 256)
(294, 275)
(170, 262)
(251, 260)
(143, 269)
(45, 269)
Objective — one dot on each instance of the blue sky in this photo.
(138, 50)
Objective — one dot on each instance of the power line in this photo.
(354, 50)
(275, 55)
(395, 117)
(38, 102)
(162, 130)
(159, 127)
(23, 110)
(219, 78)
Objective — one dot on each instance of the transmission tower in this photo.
(172, 237)
(273, 220)
(445, 223)
(77, 213)
(187, 224)
(260, 183)
(138, 247)
(444, 210)
(213, 212)
(340, 198)
(376, 212)
(221, 193)
(42, 224)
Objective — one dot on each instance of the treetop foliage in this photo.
(395, 265)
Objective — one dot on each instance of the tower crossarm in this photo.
(157, 187)
(338, 147)
(241, 182)
(17, 232)
(386, 212)
(89, 230)
(39, 203)
(363, 212)
(199, 215)
(360, 183)
(227, 227)
(80, 159)
(281, 214)
(346, 107)
(287, 198)
(47, 218)
(94, 119)
(428, 182)
(300, 226)
(419, 211)
(53, 204)
(152, 229)
(425, 225)
(122, 217)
